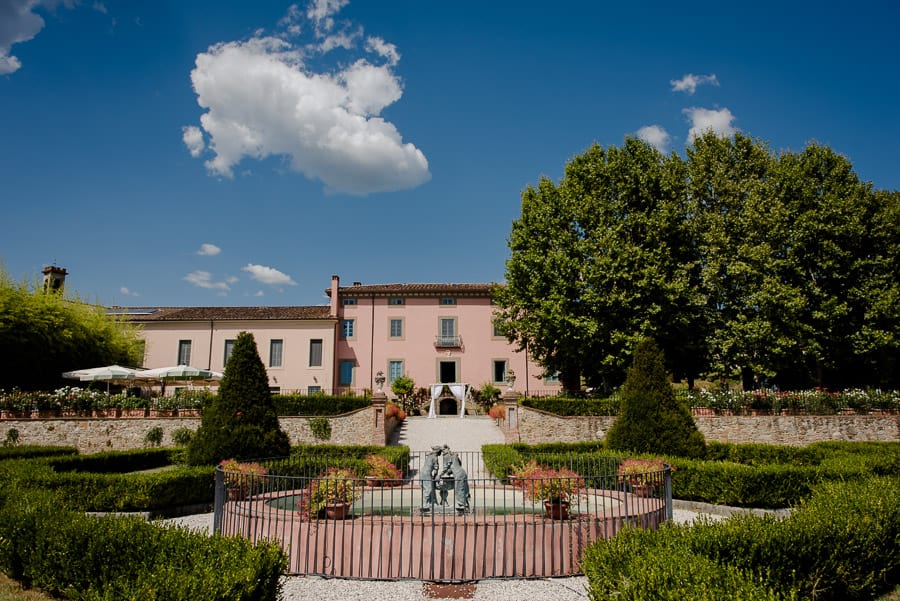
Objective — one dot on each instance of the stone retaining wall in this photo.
(90, 435)
(537, 426)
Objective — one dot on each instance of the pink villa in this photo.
(432, 333)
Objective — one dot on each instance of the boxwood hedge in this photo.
(90, 558)
(843, 542)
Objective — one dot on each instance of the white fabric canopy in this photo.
(459, 391)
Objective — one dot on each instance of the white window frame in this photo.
(391, 334)
(276, 343)
(184, 352)
(348, 333)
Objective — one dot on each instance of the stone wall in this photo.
(537, 426)
(91, 435)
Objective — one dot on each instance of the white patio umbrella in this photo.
(179, 373)
(111, 374)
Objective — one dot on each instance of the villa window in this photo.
(395, 370)
(396, 301)
(346, 373)
(313, 389)
(347, 302)
(552, 378)
(448, 300)
(276, 349)
(315, 352)
(347, 328)
(396, 328)
(184, 352)
(229, 346)
(500, 370)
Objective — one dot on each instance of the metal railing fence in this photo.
(466, 527)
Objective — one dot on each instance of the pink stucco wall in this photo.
(372, 348)
(208, 347)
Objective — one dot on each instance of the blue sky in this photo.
(239, 153)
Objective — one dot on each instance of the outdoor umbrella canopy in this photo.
(111, 374)
(179, 373)
(108, 373)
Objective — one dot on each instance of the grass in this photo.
(10, 590)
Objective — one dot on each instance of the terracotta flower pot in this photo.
(556, 510)
(337, 511)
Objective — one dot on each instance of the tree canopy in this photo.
(43, 334)
(738, 261)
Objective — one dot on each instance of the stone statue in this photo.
(445, 480)
(453, 471)
(426, 477)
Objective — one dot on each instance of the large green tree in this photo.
(602, 260)
(739, 262)
(840, 254)
(43, 334)
(241, 422)
(739, 227)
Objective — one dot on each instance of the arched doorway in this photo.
(447, 405)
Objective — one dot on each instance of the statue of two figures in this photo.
(435, 478)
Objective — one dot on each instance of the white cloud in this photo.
(231, 279)
(322, 12)
(656, 136)
(192, 137)
(128, 292)
(99, 7)
(203, 279)
(17, 24)
(209, 250)
(268, 275)
(262, 99)
(689, 82)
(385, 49)
(259, 293)
(704, 120)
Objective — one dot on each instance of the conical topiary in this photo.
(241, 422)
(651, 420)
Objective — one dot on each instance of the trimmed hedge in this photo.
(318, 404)
(746, 475)
(30, 451)
(568, 407)
(309, 461)
(113, 461)
(92, 559)
(842, 543)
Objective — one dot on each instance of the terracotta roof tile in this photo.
(144, 314)
(415, 290)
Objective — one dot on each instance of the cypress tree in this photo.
(241, 422)
(651, 420)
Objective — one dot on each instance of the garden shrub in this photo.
(639, 564)
(241, 422)
(92, 558)
(567, 406)
(841, 543)
(651, 419)
(112, 461)
(320, 428)
(312, 460)
(27, 451)
(318, 404)
(182, 436)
